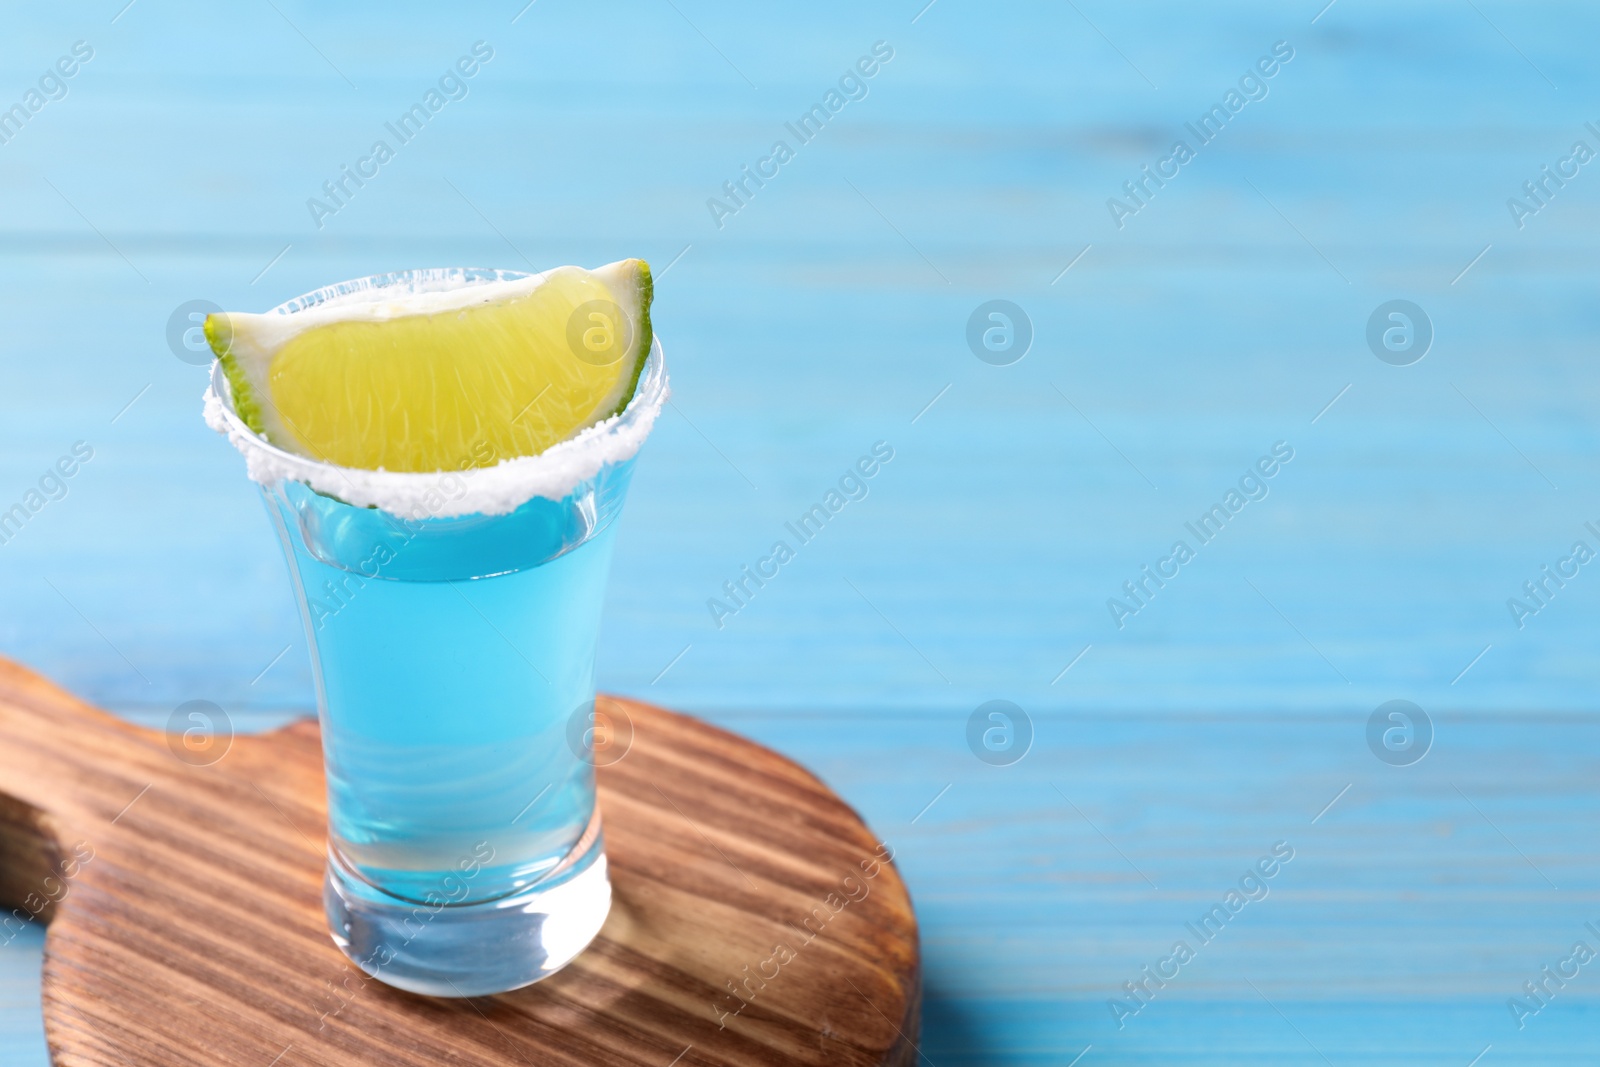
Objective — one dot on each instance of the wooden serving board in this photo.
(755, 918)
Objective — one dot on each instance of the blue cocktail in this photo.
(453, 654)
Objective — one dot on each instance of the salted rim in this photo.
(496, 490)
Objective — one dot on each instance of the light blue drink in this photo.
(447, 709)
(453, 655)
(454, 661)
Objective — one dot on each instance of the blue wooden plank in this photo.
(824, 316)
(21, 1022)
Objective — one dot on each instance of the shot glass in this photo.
(451, 619)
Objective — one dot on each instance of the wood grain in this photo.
(186, 923)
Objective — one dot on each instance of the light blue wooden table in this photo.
(1225, 314)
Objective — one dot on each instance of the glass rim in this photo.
(552, 474)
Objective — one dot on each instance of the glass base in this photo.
(473, 949)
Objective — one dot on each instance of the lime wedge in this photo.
(443, 380)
